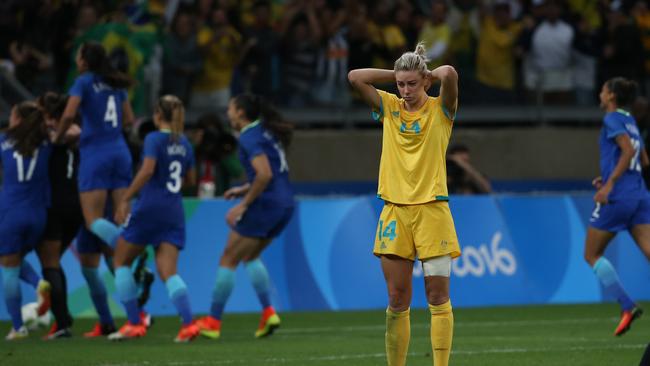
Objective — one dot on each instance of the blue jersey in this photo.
(173, 160)
(26, 182)
(630, 185)
(256, 140)
(101, 111)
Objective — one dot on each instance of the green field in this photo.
(536, 335)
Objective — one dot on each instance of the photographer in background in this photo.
(462, 176)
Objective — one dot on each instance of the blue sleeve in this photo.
(124, 95)
(77, 88)
(150, 147)
(613, 126)
(251, 146)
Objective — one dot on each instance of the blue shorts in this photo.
(89, 243)
(264, 220)
(104, 169)
(621, 215)
(21, 229)
(147, 226)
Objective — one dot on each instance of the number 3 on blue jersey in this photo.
(389, 231)
(175, 175)
(111, 112)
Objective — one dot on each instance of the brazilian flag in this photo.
(130, 47)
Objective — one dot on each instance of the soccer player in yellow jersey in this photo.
(415, 221)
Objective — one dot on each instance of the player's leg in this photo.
(595, 245)
(98, 294)
(436, 280)
(237, 248)
(641, 235)
(261, 282)
(49, 252)
(93, 204)
(10, 268)
(42, 287)
(166, 262)
(125, 253)
(398, 274)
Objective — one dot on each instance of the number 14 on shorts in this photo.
(388, 231)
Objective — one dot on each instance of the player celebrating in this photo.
(158, 218)
(415, 220)
(622, 200)
(64, 216)
(99, 93)
(263, 212)
(24, 199)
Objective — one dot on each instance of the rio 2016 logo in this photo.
(483, 260)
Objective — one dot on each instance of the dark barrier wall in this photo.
(516, 250)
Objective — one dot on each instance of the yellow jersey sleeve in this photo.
(388, 104)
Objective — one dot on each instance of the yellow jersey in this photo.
(413, 166)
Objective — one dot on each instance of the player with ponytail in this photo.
(265, 208)
(158, 218)
(622, 201)
(416, 220)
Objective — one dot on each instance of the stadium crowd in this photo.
(298, 52)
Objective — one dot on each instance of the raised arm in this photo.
(67, 118)
(449, 87)
(363, 80)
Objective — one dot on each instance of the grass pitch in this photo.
(535, 335)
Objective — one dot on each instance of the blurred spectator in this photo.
(32, 53)
(462, 177)
(220, 45)
(301, 33)
(362, 46)
(623, 50)
(182, 59)
(587, 46)
(641, 15)
(464, 22)
(332, 88)
(260, 66)
(436, 34)
(216, 159)
(389, 39)
(204, 10)
(496, 59)
(408, 22)
(547, 65)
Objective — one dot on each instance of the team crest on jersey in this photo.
(415, 127)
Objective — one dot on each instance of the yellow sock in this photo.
(442, 332)
(398, 335)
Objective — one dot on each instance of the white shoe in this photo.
(17, 334)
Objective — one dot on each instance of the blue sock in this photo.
(98, 294)
(28, 274)
(178, 294)
(609, 279)
(260, 278)
(106, 230)
(13, 297)
(128, 293)
(222, 289)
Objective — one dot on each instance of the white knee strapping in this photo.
(437, 266)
